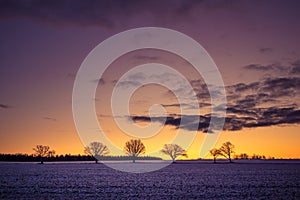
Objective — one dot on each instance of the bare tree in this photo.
(227, 149)
(215, 153)
(41, 151)
(96, 149)
(173, 150)
(134, 148)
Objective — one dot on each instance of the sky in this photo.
(255, 45)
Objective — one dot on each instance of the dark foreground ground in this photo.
(177, 181)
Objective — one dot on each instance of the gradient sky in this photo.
(255, 45)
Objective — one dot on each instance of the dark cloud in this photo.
(126, 84)
(242, 87)
(187, 122)
(247, 103)
(173, 105)
(276, 116)
(170, 120)
(252, 100)
(292, 68)
(259, 67)
(293, 117)
(50, 119)
(100, 81)
(201, 105)
(257, 118)
(265, 50)
(281, 87)
(201, 89)
(141, 118)
(239, 111)
(191, 122)
(295, 67)
(267, 90)
(272, 101)
(5, 106)
(146, 57)
(71, 76)
(204, 104)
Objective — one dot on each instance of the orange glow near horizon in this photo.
(261, 141)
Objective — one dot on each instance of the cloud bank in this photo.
(273, 101)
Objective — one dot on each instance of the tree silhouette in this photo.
(41, 151)
(242, 156)
(227, 149)
(96, 149)
(215, 153)
(258, 157)
(51, 153)
(134, 148)
(173, 150)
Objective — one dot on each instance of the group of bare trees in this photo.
(244, 156)
(134, 148)
(226, 150)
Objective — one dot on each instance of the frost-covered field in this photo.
(179, 181)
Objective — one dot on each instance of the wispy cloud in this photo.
(260, 67)
(146, 57)
(265, 50)
(71, 76)
(5, 106)
(50, 119)
(292, 68)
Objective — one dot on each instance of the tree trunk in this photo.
(96, 161)
(173, 158)
(214, 159)
(133, 159)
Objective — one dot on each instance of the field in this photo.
(177, 181)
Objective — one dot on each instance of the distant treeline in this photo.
(245, 156)
(67, 157)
